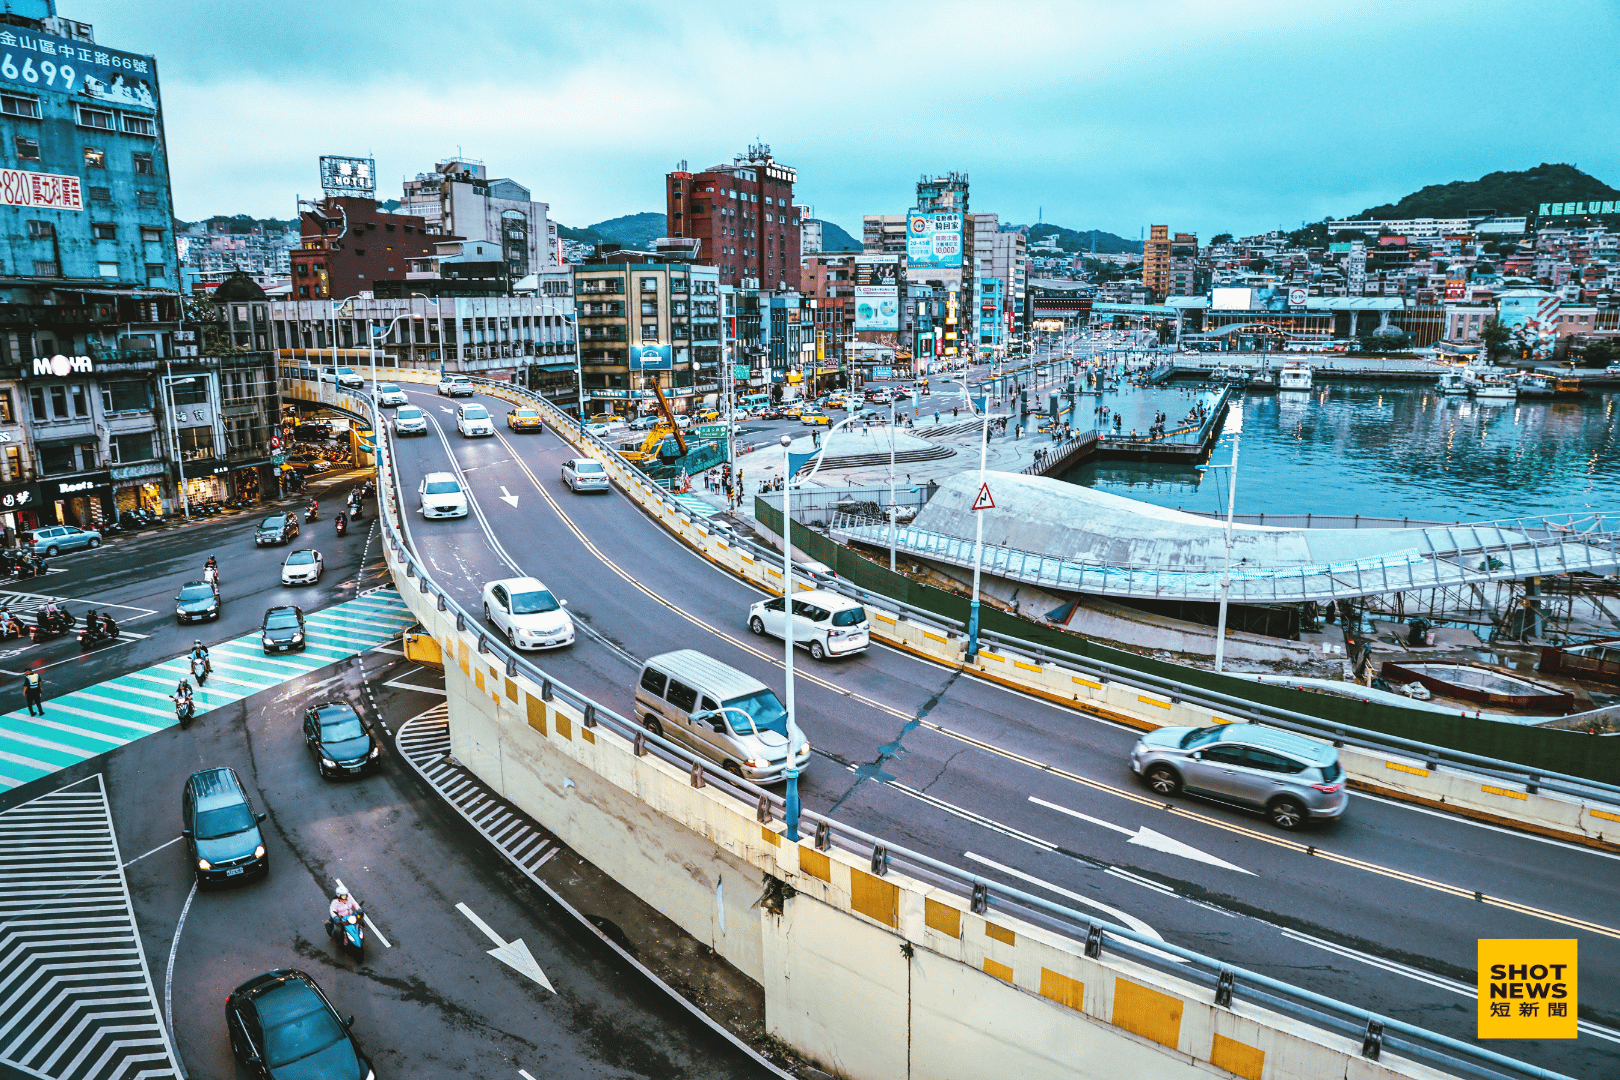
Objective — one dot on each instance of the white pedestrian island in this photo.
(99, 718)
(76, 1000)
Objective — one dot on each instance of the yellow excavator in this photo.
(648, 453)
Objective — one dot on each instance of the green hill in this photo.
(834, 238)
(1071, 240)
(1508, 193)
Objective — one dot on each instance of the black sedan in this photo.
(284, 1026)
(277, 529)
(283, 629)
(197, 602)
(339, 739)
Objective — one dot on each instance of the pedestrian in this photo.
(31, 690)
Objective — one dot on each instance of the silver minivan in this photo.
(717, 711)
(1289, 778)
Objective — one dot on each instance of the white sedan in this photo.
(474, 420)
(583, 474)
(527, 614)
(303, 567)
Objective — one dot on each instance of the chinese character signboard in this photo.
(348, 176)
(1527, 988)
(933, 240)
(44, 62)
(49, 191)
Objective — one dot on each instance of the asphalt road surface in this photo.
(942, 763)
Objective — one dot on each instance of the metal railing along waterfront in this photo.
(1224, 981)
(1440, 556)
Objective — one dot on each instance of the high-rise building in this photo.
(883, 234)
(89, 309)
(827, 282)
(1001, 254)
(348, 245)
(743, 216)
(1156, 262)
(630, 302)
(940, 252)
(809, 231)
(458, 199)
(1184, 272)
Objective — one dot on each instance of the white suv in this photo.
(473, 420)
(824, 622)
(441, 496)
(455, 386)
(410, 421)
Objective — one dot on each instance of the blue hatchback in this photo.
(56, 539)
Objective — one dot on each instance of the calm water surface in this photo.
(1394, 451)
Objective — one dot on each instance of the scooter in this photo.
(350, 934)
(309, 513)
(45, 628)
(98, 633)
(10, 626)
(342, 526)
(201, 669)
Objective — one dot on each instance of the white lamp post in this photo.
(169, 380)
(978, 528)
(385, 332)
(1226, 573)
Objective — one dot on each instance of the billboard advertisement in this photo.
(933, 240)
(348, 176)
(650, 358)
(877, 307)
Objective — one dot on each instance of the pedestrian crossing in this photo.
(696, 505)
(76, 999)
(424, 741)
(99, 718)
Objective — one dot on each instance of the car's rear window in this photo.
(1331, 771)
(296, 1024)
(443, 487)
(849, 617)
(584, 467)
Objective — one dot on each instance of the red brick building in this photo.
(828, 281)
(744, 216)
(349, 244)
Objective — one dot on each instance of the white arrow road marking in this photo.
(446, 408)
(1147, 838)
(364, 917)
(508, 498)
(514, 954)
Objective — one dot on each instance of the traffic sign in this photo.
(984, 501)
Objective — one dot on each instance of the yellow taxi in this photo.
(815, 419)
(792, 412)
(524, 419)
(712, 414)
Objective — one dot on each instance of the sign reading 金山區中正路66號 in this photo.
(46, 62)
(650, 358)
(1527, 988)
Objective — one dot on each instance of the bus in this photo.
(755, 402)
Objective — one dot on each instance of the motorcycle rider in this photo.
(50, 614)
(341, 908)
(108, 627)
(313, 509)
(342, 523)
(200, 665)
(184, 706)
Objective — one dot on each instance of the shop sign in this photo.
(135, 472)
(62, 366)
(218, 470)
(17, 496)
(82, 485)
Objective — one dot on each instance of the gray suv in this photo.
(1290, 778)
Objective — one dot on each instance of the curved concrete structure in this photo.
(1065, 537)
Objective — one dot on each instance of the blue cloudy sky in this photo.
(1210, 116)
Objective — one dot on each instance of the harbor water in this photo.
(1391, 451)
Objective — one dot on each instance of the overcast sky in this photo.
(1210, 116)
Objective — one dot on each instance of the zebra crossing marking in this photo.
(91, 721)
(695, 504)
(76, 1000)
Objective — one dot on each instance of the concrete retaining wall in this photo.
(876, 976)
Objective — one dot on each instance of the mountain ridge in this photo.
(1508, 193)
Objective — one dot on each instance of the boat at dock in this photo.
(1547, 384)
(1452, 382)
(1495, 388)
(1295, 375)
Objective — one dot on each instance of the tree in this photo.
(1601, 353)
(1258, 265)
(1494, 336)
(1221, 238)
(776, 393)
(1165, 332)
(1312, 235)
(1385, 339)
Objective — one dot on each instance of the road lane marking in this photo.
(1146, 837)
(1121, 917)
(174, 947)
(514, 954)
(154, 851)
(1138, 798)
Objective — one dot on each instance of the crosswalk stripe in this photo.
(93, 720)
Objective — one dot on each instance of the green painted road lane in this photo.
(103, 717)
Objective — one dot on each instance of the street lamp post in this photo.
(385, 332)
(891, 484)
(169, 380)
(791, 773)
(1226, 573)
(978, 527)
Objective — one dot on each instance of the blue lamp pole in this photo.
(978, 526)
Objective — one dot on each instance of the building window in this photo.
(104, 230)
(59, 406)
(56, 459)
(100, 119)
(6, 415)
(156, 272)
(146, 198)
(14, 465)
(151, 236)
(42, 268)
(127, 448)
(101, 194)
(139, 125)
(649, 331)
(95, 158)
(17, 105)
(107, 269)
(81, 403)
(27, 148)
(41, 230)
(125, 397)
(143, 164)
(649, 284)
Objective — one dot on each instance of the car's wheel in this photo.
(486, 614)
(1163, 780)
(95, 541)
(652, 724)
(757, 625)
(733, 768)
(1286, 813)
(53, 551)
(817, 652)
(511, 636)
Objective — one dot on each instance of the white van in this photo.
(824, 622)
(717, 711)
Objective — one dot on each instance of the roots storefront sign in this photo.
(82, 500)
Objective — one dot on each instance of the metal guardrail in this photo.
(1226, 982)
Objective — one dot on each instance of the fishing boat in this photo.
(1296, 375)
(1495, 388)
(1452, 382)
